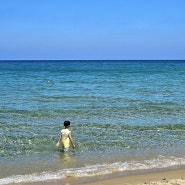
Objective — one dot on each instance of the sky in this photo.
(92, 29)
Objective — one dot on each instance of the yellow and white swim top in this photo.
(65, 138)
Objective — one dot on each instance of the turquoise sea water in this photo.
(125, 115)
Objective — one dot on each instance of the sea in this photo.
(125, 116)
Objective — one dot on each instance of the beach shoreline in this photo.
(168, 177)
(163, 177)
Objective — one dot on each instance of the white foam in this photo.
(94, 170)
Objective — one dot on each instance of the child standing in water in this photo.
(66, 137)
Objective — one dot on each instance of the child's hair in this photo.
(66, 123)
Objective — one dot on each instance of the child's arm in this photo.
(58, 143)
(71, 139)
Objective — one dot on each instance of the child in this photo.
(66, 137)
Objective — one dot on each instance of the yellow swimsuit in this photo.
(65, 137)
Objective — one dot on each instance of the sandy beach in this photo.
(174, 177)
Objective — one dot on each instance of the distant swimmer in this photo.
(65, 137)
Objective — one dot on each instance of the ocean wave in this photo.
(96, 170)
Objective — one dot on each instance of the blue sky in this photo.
(92, 29)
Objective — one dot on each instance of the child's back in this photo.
(65, 137)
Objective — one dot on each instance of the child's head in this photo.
(66, 123)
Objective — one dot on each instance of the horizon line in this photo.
(92, 60)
